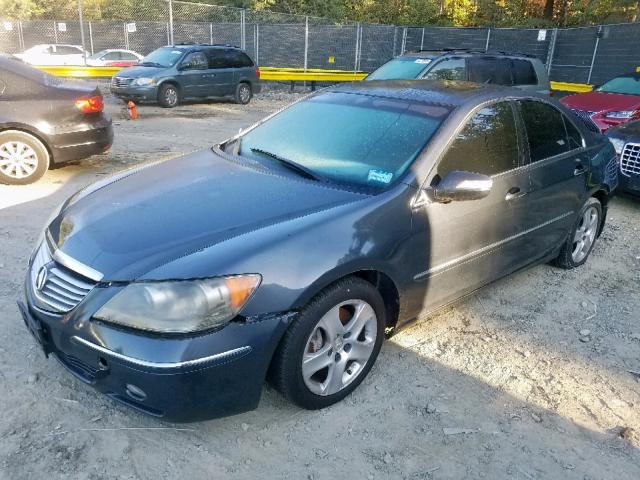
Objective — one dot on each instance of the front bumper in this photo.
(629, 184)
(135, 93)
(181, 379)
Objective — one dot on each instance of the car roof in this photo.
(211, 45)
(635, 75)
(453, 93)
(465, 52)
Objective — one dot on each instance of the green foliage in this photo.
(529, 13)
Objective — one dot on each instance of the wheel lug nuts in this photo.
(347, 347)
(346, 335)
(337, 357)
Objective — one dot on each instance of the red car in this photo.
(616, 101)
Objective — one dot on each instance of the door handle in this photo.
(514, 193)
(579, 170)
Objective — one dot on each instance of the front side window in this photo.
(628, 84)
(346, 137)
(400, 68)
(488, 144)
(546, 133)
(64, 50)
(452, 69)
(195, 61)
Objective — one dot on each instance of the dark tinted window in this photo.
(573, 135)
(237, 59)
(488, 144)
(63, 50)
(451, 69)
(523, 72)
(546, 133)
(490, 70)
(217, 58)
(112, 56)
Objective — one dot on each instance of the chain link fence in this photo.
(581, 55)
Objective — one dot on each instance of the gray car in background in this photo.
(499, 68)
(174, 73)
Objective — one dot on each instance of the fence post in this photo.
(355, 63)
(211, 33)
(552, 50)
(81, 18)
(306, 42)
(242, 32)
(21, 36)
(257, 43)
(486, 46)
(404, 41)
(168, 35)
(126, 35)
(422, 40)
(55, 32)
(395, 29)
(359, 48)
(170, 22)
(91, 37)
(595, 52)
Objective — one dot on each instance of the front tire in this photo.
(582, 237)
(331, 345)
(168, 95)
(23, 158)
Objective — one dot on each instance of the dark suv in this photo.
(500, 68)
(173, 73)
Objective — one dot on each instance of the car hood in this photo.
(141, 221)
(138, 72)
(602, 102)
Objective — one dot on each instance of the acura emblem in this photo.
(41, 278)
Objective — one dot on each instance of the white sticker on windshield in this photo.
(422, 61)
(176, 52)
(379, 176)
(560, 142)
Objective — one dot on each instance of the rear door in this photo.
(558, 167)
(474, 242)
(491, 70)
(220, 75)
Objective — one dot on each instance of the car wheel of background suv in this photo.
(23, 158)
(168, 95)
(331, 345)
(582, 237)
(243, 93)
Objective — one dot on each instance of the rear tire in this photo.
(331, 345)
(23, 158)
(582, 237)
(168, 95)
(243, 93)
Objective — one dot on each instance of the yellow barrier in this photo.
(274, 74)
(571, 87)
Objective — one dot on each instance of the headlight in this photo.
(142, 81)
(621, 114)
(180, 306)
(617, 144)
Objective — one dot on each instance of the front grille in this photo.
(57, 289)
(630, 159)
(120, 81)
(586, 119)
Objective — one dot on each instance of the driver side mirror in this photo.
(458, 186)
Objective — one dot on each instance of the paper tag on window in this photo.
(379, 176)
(422, 61)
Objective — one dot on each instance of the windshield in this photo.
(162, 57)
(400, 68)
(347, 138)
(627, 85)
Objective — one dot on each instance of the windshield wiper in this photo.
(290, 164)
(150, 64)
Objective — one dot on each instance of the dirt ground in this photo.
(531, 378)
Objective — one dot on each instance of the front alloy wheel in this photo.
(331, 345)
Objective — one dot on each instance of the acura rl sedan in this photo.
(290, 251)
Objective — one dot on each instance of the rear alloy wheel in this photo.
(168, 96)
(23, 158)
(243, 93)
(331, 346)
(582, 238)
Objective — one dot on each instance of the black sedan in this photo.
(290, 250)
(626, 140)
(46, 121)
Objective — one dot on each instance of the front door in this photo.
(193, 70)
(474, 242)
(558, 166)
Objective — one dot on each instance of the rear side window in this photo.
(237, 59)
(490, 70)
(523, 72)
(64, 50)
(546, 134)
(217, 58)
(451, 69)
(488, 144)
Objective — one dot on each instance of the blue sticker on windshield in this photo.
(379, 176)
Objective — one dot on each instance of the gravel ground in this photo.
(531, 378)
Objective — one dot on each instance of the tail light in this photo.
(552, 93)
(93, 104)
(258, 72)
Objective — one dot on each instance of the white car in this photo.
(114, 58)
(50, 54)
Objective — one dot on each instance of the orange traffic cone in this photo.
(133, 110)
